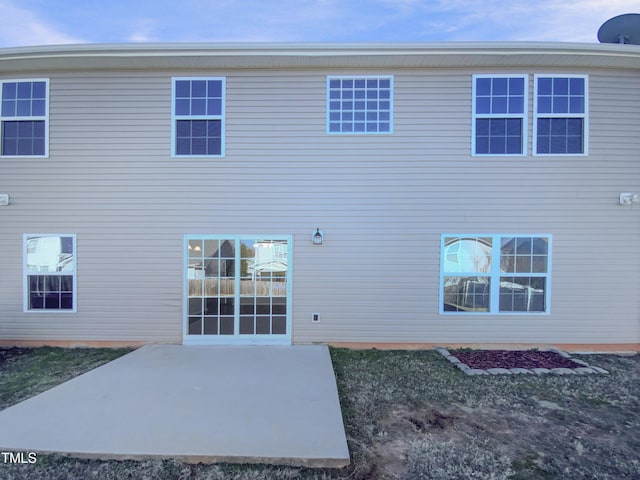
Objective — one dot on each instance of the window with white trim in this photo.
(499, 114)
(560, 123)
(495, 273)
(198, 111)
(24, 118)
(360, 105)
(49, 272)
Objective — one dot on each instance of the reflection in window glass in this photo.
(247, 297)
(470, 282)
(50, 272)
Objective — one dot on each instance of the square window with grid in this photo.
(360, 105)
(499, 111)
(560, 115)
(24, 117)
(199, 116)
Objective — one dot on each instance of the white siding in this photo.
(382, 201)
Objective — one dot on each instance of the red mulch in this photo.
(514, 359)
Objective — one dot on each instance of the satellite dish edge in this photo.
(623, 29)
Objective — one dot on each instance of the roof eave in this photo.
(318, 55)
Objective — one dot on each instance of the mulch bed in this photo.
(485, 359)
(8, 355)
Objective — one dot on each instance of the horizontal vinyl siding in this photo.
(382, 201)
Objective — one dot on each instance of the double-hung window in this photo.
(360, 105)
(499, 114)
(198, 117)
(49, 273)
(495, 273)
(24, 118)
(560, 123)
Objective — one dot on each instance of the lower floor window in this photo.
(50, 269)
(495, 273)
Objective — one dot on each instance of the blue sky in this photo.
(47, 22)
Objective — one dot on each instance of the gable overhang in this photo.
(230, 56)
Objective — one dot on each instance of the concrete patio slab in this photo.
(252, 404)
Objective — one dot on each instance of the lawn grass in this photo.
(408, 415)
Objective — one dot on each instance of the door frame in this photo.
(236, 338)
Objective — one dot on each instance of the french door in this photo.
(237, 289)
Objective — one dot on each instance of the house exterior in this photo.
(396, 194)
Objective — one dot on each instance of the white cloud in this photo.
(144, 31)
(23, 27)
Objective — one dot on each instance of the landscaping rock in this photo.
(600, 370)
(499, 371)
(563, 371)
(581, 362)
(520, 370)
(540, 371)
(476, 371)
(585, 370)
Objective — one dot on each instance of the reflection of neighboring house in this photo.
(269, 257)
(49, 254)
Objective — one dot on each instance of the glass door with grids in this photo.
(237, 289)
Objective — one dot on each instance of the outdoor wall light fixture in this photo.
(4, 199)
(317, 236)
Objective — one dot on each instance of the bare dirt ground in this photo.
(412, 415)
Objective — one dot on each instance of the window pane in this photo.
(522, 294)
(23, 137)
(499, 86)
(39, 90)
(499, 105)
(467, 255)
(247, 325)
(560, 135)
(469, 294)
(183, 89)
(49, 254)
(195, 326)
(9, 90)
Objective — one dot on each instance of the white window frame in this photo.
(494, 274)
(584, 116)
(354, 78)
(26, 274)
(238, 339)
(523, 116)
(222, 117)
(44, 117)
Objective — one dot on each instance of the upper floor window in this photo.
(560, 115)
(50, 272)
(198, 111)
(24, 118)
(499, 115)
(360, 105)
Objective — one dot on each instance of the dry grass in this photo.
(411, 415)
